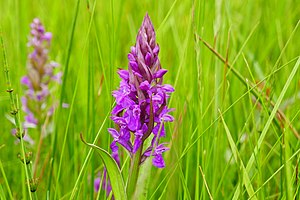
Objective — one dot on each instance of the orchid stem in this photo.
(134, 172)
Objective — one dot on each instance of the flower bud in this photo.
(28, 157)
(18, 133)
(33, 183)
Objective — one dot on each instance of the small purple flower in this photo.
(36, 103)
(65, 105)
(97, 182)
(141, 100)
(158, 160)
(105, 183)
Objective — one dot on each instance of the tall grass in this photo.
(237, 104)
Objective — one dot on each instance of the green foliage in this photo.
(248, 149)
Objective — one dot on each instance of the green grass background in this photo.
(259, 38)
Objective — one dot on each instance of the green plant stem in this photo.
(15, 111)
(38, 151)
(134, 172)
(25, 168)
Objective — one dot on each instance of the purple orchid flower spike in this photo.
(141, 106)
(40, 74)
(141, 100)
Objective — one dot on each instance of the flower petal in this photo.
(124, 74)
(168, 88)
(114, 133)
(158, 161)
(160, 73)
(26, 81)
(145, 85)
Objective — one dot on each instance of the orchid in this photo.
(141, 105)
(39, 78)
(141, 100)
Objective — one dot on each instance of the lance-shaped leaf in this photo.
(113, 171)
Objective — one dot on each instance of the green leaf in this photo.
(113, 171)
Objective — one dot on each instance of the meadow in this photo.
(234, 66)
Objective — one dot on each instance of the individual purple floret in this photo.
(141, 100)
(39, 78)
(105, 183)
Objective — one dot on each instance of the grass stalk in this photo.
(255, 91)
(70, 44)
(5, 181)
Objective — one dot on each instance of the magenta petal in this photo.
(26, 81)
(113, 132)
(148, 151)
(117, 109)
(145, 85)
(156, 49)
(114, 148)
(50, 111)
(158, 161)
(125, 133)
(157, 98)
(160, 73)
(97, 184)
(31, 119)
(124, 74)
(126, 144)
(65, 105)
(43, 93)
(168, 88)
(168, 118)
(57, 77)
(24, 104)
(134, 65)
(138, 74)
(131, 121)
(162, 132)
(137, 144)
(131, 57)
(161, 148)
(54, 64)
(148, 59)
(119, 120)
(136, 111)
(47, 36)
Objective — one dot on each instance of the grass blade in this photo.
(207, 188)
(5, 181)
(238, 159)
(270, 119)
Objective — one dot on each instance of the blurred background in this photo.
(260, 39)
